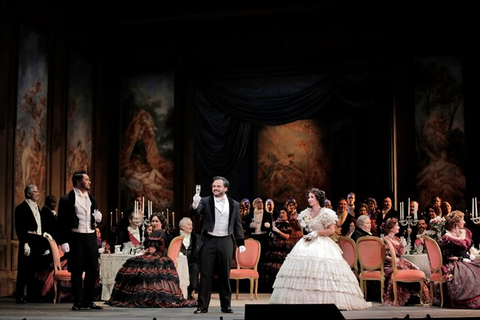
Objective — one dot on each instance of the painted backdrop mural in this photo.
(440, 134)
(31, 126)
(80, 111)
(146, 166)
(292, 158)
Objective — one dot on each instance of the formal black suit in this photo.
(83, 256)
(26, 226)
(216, 253)
(392, 213)
(265, 228)
(359, 232)
(49, 222)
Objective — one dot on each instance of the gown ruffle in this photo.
(315, 272)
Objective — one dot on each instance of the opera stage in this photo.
(9, 310)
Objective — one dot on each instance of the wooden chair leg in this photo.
(251, 289)
(382, 284)
(441, 294)
(55, 291)
(394, 293)
(420, 292)
(237, 287)
(256, 289)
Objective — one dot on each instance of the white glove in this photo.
(46, 253)
(26, 249)
(48, 236)
(242, 249)
(267, 225)
(472, 257)
(312, 235)
(65, 247)
(196, 201)
(403, 241)
(98, 216)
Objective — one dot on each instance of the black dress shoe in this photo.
(76, 306)
(91, 306)
(227, 310)
(201, 310)
(20, 301)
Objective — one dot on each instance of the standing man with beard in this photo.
(77, 217)
(221, 230)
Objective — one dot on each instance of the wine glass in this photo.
(198, 188)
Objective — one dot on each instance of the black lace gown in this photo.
(149, 280)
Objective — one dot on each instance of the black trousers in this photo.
(216, 255)
(83, 257)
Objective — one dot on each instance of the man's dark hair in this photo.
(77, 176)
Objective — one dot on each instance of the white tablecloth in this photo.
(111, 263)
(421, 261)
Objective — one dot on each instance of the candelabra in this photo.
(409, 221)
(475, 219)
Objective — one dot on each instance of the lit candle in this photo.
(116, 216)
(473, 207)
(167, 215)
(173, 217)
(476, 207)
(150, 207)
(415, 208)
(121, 215)
(135, 210)
(401, 210)
(143, 205)
(111, 218)
(408, 206)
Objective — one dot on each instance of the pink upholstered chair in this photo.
(371, 257)
(247, 263)
(174, 248)
(349, 250)
(58, 273)
(436, 261)
(408, 276)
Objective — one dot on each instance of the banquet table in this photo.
(421, 261)
(110, 263)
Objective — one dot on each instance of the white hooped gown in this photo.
(315, 271)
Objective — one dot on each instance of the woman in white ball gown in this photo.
(315, 272)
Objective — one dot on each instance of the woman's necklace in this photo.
(456, 233)
(392, 237)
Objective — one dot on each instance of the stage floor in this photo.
(9, 310)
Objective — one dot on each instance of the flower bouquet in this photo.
(438, 228)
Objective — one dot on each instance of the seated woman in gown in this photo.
(405, 290)
(315, 272)
(278, 248)
(462, 270)
(149, 279)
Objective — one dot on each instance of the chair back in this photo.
(371, 258)
(349, 252)
(249, 259)
(55, 255)
(370, 253)
(174, 248)
(435, 260)
(434, 254)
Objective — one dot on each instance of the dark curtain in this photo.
(226, 111)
